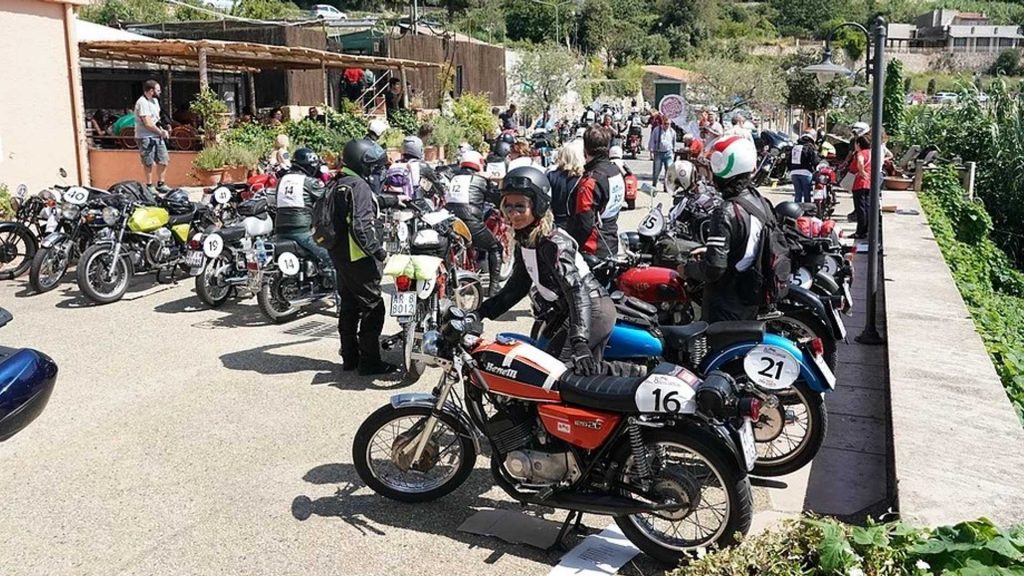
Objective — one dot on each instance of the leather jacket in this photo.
(587, 203)
(562, 184)
(293, 199)
(467, 193)
(561, 277)
(729, 237)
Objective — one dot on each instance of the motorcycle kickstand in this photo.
(574, 518)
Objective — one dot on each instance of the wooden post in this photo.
(251, 78)
(327, 87)
(405, 91)
(169, 102)
(204, 80)
(969, 175)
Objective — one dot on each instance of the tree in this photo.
(595, 21)
(803, 17)
(544, 74)
(804, 91)
(894, 100)
(528, 20)
(731, 85)
(266, 9)
(1007, 63)
(117, 12)
(686, 24)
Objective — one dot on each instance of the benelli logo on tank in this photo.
(506, 372)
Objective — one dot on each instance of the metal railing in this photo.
(371, 99)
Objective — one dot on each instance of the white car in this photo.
(222, 5)
(945, 98)
(327, 12)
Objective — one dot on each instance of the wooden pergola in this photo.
(237, 56)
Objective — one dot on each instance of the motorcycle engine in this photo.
(541, 468)
(158, 249)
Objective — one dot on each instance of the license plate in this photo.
(403, 304)
(839, 322)
(749, 445)
(826, 372)
(849, 298)
(194, 259)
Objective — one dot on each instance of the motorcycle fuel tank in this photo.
(148, 219)
(653, 284)
(517, 369)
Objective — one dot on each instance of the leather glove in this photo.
(582, 360)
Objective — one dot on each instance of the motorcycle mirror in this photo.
(5, 317)
(63, 173)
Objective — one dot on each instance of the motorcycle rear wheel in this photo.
(18, 247)
(779, 455)
(49, 266)
(449, 434)
(271, 304)
(213, 296)
(709, 474)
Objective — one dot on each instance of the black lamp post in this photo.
(825, 71)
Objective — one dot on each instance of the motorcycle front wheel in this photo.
(272, 300)
(384, 447)
(49, 266)
(18, 247)
(210, 283)
(469, 294)
(700, 474)
(98, 279)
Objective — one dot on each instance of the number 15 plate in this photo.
(403, 304)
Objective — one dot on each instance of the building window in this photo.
(983, 43)
(1006, 42)
(959, 44)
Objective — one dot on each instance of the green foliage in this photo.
(528, 20)
(448, 133)
(6, 210)
(544, 74)
(804, 90)
(326, 138)
(186, 14)
(826, 546)
(894, 100)
(931, 87)
(730, 85)
(801, 17)
(405, 121)
(991, 287)
(256, 137)
(267, 9)
(1007, 64)
(115, 12)
(472, 112)
(209, 107)
(223, 154)
(392, 138)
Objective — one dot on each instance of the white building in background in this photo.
(953, 31)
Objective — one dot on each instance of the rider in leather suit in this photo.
(297, 191)
(548, 260)
(467, 193)
(732, 243)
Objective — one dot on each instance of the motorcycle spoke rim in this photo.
(381, 464)
(53, 268)
(793, 438)
(9, 250)
(215, 268)
(707, 521)
(97, 275)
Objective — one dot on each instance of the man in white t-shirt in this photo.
(152, 139)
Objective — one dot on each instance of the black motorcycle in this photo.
(80, 224)
(774, 148)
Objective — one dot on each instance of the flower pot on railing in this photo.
(433, 153)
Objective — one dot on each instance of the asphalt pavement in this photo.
(185, 440)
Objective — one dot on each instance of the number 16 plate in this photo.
(403, 304)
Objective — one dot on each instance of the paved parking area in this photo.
(183, 440)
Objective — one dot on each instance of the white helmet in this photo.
(615, 153)
(617, 116)
(378, 127)
(860, 128)
(733, 156)
(471, 159)
(679, 176)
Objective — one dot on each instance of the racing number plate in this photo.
(749, 446)
(403, 304)
(839, 322)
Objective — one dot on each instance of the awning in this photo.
(236, 55)
(92, 32)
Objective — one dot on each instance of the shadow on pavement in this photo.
(139, 286)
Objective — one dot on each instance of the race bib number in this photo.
(662, 393)
(616, 197)
(771, 368)
(797, 152)
(213, 245)
(496, 170)
(288, 263)
(76, 195)
(458, 190)
(652, 224)
(222, 195)
(289, 191)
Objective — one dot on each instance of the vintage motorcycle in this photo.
(665, 454)
(27, 378)
(80, 224)
(286, 277)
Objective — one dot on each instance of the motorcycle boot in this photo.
(494, 263)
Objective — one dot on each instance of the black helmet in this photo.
(532, 183)
(364, 157)
(308, 161)
(788, 211)
(502, 148)
(806, 138)
(177, 202)
(508, 138)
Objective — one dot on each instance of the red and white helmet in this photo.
(472, 159)
(732, 156)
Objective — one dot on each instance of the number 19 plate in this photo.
(403, 304)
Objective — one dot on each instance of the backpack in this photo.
(325, 214)
(767, 280)
(398, 180)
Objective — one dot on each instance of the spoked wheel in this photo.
(273, 298)
(699, 474)
(384, 451)
(100, 278)
(211, 285)
(17, 248)
(789, 436)
(49, 266)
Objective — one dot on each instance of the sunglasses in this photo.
(521, 208)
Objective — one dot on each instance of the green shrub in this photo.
(209, 107)
(449, 134)
(6, 210)
(257, 137)
(224, 154)
(392, 138)
(405, 121)
(473, 113)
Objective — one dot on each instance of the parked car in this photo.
(223, 5)
(945, 98)
(327, 12)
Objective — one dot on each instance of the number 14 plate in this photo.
(403, 304)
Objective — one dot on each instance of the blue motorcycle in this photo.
(789, 378)
(27, 378)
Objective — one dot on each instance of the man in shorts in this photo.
(151, 138)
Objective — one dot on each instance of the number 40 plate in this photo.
(403, 304)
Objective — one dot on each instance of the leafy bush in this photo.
(1007, 63)
(991, 287)
(405, 121)
(826, 546)
(209, 107)
(894, 101)
(448, 133)
(224, 154)
(6, 210)
(473, 113)
(314, 135)
(257, 137)
(392, 138)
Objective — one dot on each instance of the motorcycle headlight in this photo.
(110, 215)
(431, 340)
(69, 211)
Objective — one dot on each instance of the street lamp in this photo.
(556, 6)
(825, 71)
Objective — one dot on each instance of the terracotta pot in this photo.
(235, 174)
(209, 177)
(896, 183)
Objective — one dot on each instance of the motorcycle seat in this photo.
(677, 337)
(176, 219)
(232, 233)
(283, 245)
(723, 334)
(611, 393)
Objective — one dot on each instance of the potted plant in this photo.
(213, 112)
(224, 162)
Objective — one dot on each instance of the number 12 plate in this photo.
(403, 304)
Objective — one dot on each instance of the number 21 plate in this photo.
(403, 304)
